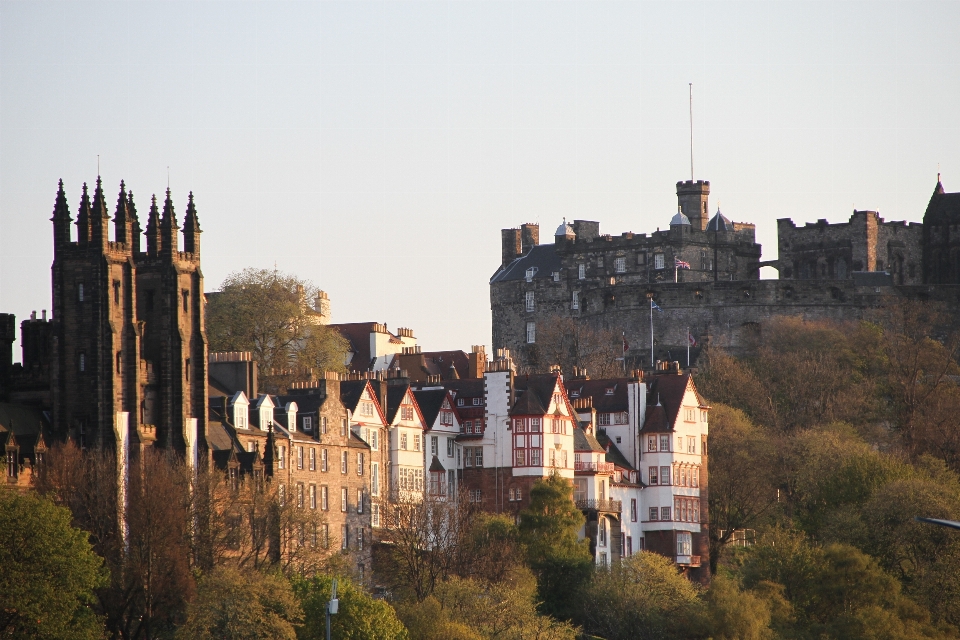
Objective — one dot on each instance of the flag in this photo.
(625, 345)
(691, 339)
(680, 264)
(655, 305)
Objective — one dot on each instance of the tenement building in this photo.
(698, 282)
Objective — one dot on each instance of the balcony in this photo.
(595, 467)
(688, 561)
(610, 506)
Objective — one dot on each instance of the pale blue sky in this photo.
(378, 148)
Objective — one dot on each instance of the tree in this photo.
(743, 485)
(736, 615)
(645, 597)
(360, 617)
(268, 313)
(549, 529)
(572, 343)
(242, 605)
(49, 572)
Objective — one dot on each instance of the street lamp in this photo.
(333, 606)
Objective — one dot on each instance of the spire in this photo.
(153, 229)
(191, 228)
(98, 220)
(83, 217)
(135, 230)
(939, 189)
(121, 219)
(169, 228)
(61, 219)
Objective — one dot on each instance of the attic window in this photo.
(476, 402)
(532, 271)
(608, 391)
(556, 276)
(459, 402)
(574, 393)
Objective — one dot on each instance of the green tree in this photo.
(360, 617)
(549, 529)
(269, 313)
(49, 572)
(737, 615)
(644, 597)
(242, 606)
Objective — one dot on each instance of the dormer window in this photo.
(240, 416)
(292, 416)
(266, 417)
(459, 402)
(476, 402)
(608, 391)
(556, 276)
(531, 272)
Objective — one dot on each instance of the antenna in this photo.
(691, 132)
(168, 177)
(98, 165)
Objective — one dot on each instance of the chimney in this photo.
(512, 246)
(529, 236)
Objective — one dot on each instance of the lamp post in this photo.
(333, 606)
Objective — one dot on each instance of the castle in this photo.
(124, 355)
(703, 273)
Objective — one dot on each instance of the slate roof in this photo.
(466, 388)
(597, 389)
(943, 208)
(435, 363)
(583, 441)
(614, 454)
(872, 279)
(350, 392)
(395, 395)
(218, 437)
(542, 256)
(435, 465)
(430, 402)
(534, 393)
(667, 390)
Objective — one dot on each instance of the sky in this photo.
(377, 148)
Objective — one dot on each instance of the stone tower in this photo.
(693, 200)
(129, 347)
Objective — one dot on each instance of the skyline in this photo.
(378, 148)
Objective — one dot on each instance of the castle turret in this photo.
(169, 229)
(122, 229)
(61, 220)
(99, 218)
(693, 196)
(191, 228)
(83, 218)
(153, 229)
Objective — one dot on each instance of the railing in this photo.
(599, 505)
(600, 467)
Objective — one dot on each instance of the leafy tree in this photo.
(49, 572)
(644, 597)
(269, 313)
(242, 605)
(737, 615)
(571, 343)
(549, 529)
(360, 617)
(743, 484)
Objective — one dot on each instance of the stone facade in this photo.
(839, 271)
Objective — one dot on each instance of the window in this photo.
(575, 302)
(343, 427)
(703, 416)
(531, 332)
(251, 446)
(556, 276)
(344, 540)
(119, 355)
(658, 261)
(468, 456)
(313, 459)
(80, 292)
(581, 271)
(360, 543)
(83, 362)
(343, 462)
(323, 460)
(478, 456)
(633, 509)
(475, 495)
(691, 445)
(684, 543)
(281, 456)
(282, 494)
(459, 402)
(532, 271)
(323, 425)
(696, 476)
(664, 443)
(416, 442)
(664, 475)
(654, 513)
(679, 444)
(343, 499)
(688, 415)
(620, 265)
(300, 495)
(629, 546)
(651, 443)
(360, 461)
(652, 476)
(664, 513)
(403, 440)
(299, 457)
(476, 402)
(307, 424)
(434, 445)
(530, 301)
(313, 496)
(375, 478)
(375, 515)
(360, 501)
(449, 447)
(406, 413)
(324, 498)
(602, 532)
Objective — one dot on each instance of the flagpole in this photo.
(651, 332)
(688, 347)
(623, 346)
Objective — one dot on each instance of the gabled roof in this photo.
(358, 335)
(395, 395)
(435, 465)
(534, 394)
(430, 402)
(597, 389)
(351, 391)
(434, 363)
(667, 391)
(542, 256)
(943, 208)
(614, 454)
(466, 388)
(583, 441)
